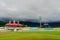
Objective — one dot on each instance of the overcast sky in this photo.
(31, 9)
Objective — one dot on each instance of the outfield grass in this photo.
(42, 35)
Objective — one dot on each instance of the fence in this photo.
(33, 28)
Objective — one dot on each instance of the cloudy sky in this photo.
(31, 9)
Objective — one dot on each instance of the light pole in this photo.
(40, 21)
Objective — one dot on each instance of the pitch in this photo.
(32, 35)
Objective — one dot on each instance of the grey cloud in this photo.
(31, 9)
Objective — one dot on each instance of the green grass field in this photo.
(39, 35)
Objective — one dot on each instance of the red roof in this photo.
(14, 24)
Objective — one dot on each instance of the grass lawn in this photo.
(39, 35)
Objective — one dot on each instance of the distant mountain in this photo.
(6, 19)
(54, 24)
(10, 19)
(29, 22)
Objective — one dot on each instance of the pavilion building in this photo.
(13, 26)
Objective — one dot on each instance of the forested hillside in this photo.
(2, 24)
